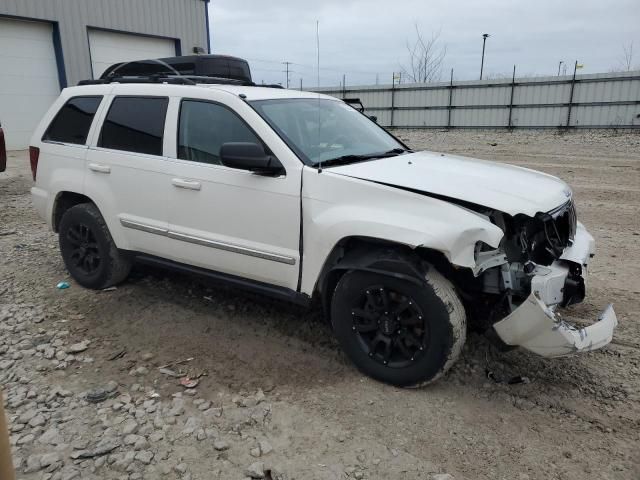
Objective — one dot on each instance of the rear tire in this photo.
(88, 251)
(397, 331)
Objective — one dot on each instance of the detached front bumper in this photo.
(535, 326)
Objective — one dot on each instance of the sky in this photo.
(366, 40)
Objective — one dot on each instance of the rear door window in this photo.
(135, 124)
(73, 121)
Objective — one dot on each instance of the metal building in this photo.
(46, 45)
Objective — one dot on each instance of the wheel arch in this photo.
(63, 202)
(381, 256)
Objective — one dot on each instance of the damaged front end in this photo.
(535, 326)
(541, 265)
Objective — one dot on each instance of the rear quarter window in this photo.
(73, 121)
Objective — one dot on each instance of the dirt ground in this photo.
(279, 400)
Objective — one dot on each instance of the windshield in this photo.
(323, 130)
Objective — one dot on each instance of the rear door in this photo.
(126, 172)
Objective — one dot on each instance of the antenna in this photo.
(318, 93)
(318, 48)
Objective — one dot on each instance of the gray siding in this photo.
(606, 100)
(183, 20)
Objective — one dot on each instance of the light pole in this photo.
(559, 65)
(484, 40)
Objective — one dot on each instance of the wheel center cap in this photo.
(388, 325)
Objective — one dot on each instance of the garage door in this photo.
(28, 78)
(108, 48)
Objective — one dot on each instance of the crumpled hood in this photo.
(507, 188)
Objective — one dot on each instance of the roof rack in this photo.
(173, 80)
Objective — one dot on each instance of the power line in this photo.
(313, 67)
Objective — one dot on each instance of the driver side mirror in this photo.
(250, 156)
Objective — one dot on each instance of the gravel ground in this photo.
(276, 398)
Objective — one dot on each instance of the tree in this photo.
(425, 58)
(625, 62)
(627, 57)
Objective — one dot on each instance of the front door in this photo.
(225, 219)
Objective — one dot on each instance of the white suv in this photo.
(300, 196)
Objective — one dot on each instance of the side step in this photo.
(272, 291)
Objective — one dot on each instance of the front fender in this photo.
(336, 207)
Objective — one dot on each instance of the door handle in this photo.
(188, 184)
(96, 167)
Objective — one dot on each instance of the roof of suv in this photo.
(266, 93)
(249, 92)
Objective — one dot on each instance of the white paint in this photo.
(535, 327)
(108, 48)
(240, 223)
(506, 188)
(28, 78)
(337, 206)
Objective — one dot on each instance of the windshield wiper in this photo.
(347, 159)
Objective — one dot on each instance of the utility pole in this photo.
(300, 83)
(286, 64)
(559, 65)
(573, 84)
(484, 41)
(344, 85)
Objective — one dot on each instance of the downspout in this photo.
(206, 16)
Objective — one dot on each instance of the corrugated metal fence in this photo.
(608, 100)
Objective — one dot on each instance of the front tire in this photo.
(88, 251)
(396, 331)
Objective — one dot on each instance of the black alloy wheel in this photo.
(390, 325)
(88, 250)
(84, 250)
(399, 331)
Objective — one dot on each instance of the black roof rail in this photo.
(175, 80)
(171, 79)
